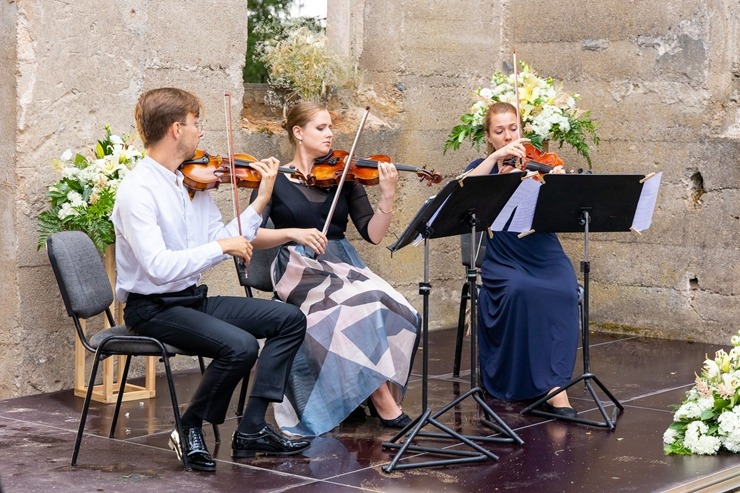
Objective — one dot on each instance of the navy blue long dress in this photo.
(527, 315)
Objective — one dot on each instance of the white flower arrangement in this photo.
(708, 420)
(547, 113)
(83, 199)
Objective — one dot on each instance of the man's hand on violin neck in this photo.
(238, 246)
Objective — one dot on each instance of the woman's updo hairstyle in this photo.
(299, 116)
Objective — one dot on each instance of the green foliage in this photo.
(265, 18)
(468, 130)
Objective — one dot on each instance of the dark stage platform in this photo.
(646, 375)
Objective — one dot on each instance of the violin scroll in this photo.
(431, 177)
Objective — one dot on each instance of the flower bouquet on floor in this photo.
(83, 199)
(548, 113)
(708, 420)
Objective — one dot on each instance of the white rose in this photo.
(486, 92)
(65, 211)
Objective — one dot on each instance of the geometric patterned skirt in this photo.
(361, 333)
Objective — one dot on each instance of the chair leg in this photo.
(85, 408)
(176, 410)
(464, 297)
(121, 389)
(242, 398)
(216, 433)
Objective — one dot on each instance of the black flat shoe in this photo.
(195, 449)
(566, 412)
(265, 442)
(399, 422)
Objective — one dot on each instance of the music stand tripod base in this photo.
(446, 214)
(608, 422)
(587, 203)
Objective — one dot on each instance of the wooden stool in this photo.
(107, 391)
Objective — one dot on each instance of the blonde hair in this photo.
(299, 116)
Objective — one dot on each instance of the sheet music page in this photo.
(420, 238)
(646, 204)
(522, 203)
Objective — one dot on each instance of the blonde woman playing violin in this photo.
(528, 303)
(362, 334)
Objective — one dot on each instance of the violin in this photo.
(206, 171)
(327, 170)
(536, 160)
(199, 173)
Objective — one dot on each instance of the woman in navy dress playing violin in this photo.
(528, 303)
(362, 333)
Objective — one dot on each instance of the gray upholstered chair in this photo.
(86, 291)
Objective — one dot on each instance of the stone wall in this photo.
(664, 84)
(71, 68)
(10, 345)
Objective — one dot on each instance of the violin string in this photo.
(373, 163)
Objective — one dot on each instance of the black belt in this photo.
(190, 296)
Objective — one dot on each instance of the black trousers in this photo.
(226, 329)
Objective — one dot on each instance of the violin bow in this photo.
(241, 267)
(516, 96)
(518, 111)
(344, 172)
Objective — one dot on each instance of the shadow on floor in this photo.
(646, 375)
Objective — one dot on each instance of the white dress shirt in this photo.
(165, 240)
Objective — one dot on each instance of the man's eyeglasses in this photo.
(199, 125)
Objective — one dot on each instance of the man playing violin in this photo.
(164, 241)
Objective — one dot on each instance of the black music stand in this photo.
(463, 205)
(588, 203)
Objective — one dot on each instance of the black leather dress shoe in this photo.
(195, 449)
(265, 442)
(566, 412)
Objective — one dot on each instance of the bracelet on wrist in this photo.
(384, 212)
